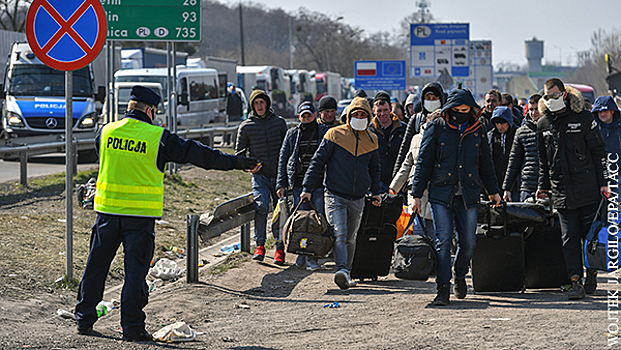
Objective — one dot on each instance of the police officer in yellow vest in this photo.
(130, 191)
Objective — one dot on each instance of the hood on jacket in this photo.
(437, 90)
(605, 103)
(503, 113)
(409, 101)
(574, 100)
(259, 94)
(359, 103)
(458, 97)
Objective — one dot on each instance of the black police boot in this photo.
(591, 281)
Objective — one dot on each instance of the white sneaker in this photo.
(341, 278)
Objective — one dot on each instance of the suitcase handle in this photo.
(503, 205)
(307, 201)
(420, 221)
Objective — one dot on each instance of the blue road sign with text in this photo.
(439, 47)
(380, 75)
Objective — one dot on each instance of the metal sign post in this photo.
(69, 168)
(67, 35)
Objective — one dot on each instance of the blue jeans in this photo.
(465, 221)
(344, 215)
(316, 199)
(264, 188)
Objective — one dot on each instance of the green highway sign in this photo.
(153, 20)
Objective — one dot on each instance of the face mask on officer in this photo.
(458, 117)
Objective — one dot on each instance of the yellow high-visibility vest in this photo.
(129, 181)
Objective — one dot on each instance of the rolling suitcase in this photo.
(544, 261)
(498, 259)
(376, 237)
(373, 256)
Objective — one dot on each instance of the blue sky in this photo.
(565, 26)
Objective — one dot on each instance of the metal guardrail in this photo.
(25, 147)
(236, 212)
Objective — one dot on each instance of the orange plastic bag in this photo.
(403, 220)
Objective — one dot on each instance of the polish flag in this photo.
(366, 69)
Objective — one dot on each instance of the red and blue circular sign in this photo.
(66, 34)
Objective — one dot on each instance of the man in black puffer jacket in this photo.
(262, 135)
(523, 160)
(572, 169)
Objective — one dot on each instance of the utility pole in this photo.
(241, 34)
(290, 46)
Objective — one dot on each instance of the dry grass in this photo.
(32, 227)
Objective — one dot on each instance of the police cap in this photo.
(145, 95)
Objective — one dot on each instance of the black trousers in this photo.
(137, 235)
(575, 224)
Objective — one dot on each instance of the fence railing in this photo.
(236, 212)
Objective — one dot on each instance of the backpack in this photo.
(86, 194)
(415, 255)
(307, 232)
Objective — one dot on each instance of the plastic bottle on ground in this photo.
(103, 308)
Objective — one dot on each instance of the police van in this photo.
(34, 97)
(201, 96)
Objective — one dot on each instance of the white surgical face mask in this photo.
(358, 124)
(555, 104)
(431, 106)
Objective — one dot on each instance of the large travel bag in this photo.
(415, 254)
(307, 232)
(375, 238)
(498, 260)
(544, 261)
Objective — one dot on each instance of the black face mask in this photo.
(459, 117)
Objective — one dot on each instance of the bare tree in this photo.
(13, 14)
(592, 64)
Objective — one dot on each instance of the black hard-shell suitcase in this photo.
(498, 260)
(544, 261)
(373, 256)
(376, 237)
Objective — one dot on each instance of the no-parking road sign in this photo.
(66, 34)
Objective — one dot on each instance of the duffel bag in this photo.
(307, 232)
(415, 255)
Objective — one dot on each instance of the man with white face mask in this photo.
(572, 169)
(432, 99)
(348, 154)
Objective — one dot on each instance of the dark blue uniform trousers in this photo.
(137, 235)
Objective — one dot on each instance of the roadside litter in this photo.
(65, 314)
(332, 305)
(242, 305)
(176, 332)
(231, 248)
(166, 269)
(154, 284)
(104, 307)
